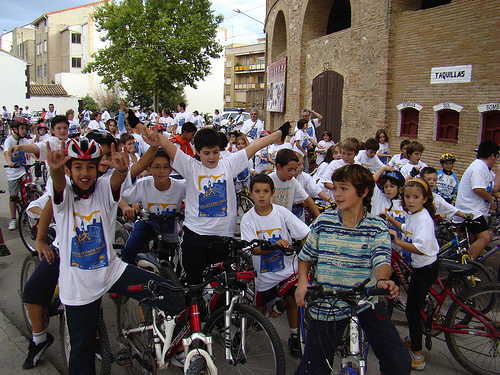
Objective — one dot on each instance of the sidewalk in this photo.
(14, 349)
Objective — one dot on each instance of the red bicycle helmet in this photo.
(83, 149)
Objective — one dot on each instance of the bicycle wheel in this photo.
(27, 229)
(475, 346)
(29, 265)
(103, 355)
(261, 351)
(245, 204)
(197, 366)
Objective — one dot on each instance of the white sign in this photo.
(451, 74)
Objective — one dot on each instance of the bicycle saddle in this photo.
(456, 268)
(148, 261)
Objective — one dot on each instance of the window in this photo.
(491, 126)
(409, 122)
(228, 63)
(260, 79)
(44, 46)
(228, 80)
(447, 125)
(262, 60)
(38, 70)
(45, 69)
(76, 38)
(38, 49)
(228, 98)
(76, 62)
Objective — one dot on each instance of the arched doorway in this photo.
(327, 93)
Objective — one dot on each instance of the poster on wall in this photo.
(276, 75)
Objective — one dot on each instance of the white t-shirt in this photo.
(210, 193)
(94, 125)
(311, 188)
(327, 175)
(263, 165)
(274, 148)
(85, 227)
(311, 128)
(286, 193)
(217, 119)
(168, 202)
(443, 207)
(279, 224)
(320, 171)
(50, 115)
(168, 122)
(181, 118)
(152, 117)
(407, 168)
(321, 150)
(252, 129)
(105, 116)
(20, 158)
(140, 145)
(303, 140)
(477, 176)
(384, 149)
(419, 231)
(238, 118)
(373, 164)
(199, 121)
(398, 162)
(44, 138)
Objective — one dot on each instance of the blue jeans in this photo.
(323, 338)
(139, 237)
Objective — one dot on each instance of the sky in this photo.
(240, 28)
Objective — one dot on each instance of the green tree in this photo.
(155, 45)
(88, 101)
(166, 99)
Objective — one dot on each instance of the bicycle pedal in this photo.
(124, 358)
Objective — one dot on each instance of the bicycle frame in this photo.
(398, 265)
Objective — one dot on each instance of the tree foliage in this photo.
(88, 101)
(155, 45)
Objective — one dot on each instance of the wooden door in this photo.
(327, 91)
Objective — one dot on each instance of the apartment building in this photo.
(64, 41)
(244, 75)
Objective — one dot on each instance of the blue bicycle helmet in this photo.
(394, 176)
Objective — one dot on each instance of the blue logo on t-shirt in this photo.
(253, 132)
(19, 158)
(213, 198)
(272, 262)
(88, 248)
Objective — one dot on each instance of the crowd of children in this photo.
(129, 166)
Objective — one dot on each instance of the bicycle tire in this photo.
(473, 352)
(245, 204)
(130, 315)
(197, 366)
(103, 355)
(27, 229)
(29, 265)
(264, 351)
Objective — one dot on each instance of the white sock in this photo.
(38, 338)
(293, 330)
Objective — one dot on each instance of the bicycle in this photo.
(103, 355)
(29, 193)
(353, 348)
(466, 315)
(322, 207)
(226, 341)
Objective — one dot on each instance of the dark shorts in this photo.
(478, 225)
(263, 298)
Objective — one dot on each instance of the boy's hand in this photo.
(129, 213)
(300, 294)
(119, 160)
(282, 243)
(122, 106)
(386, 284)
(44, 250)
(388, 168)
(56, 159)
(151, 137)
(12, 151)
(393, 234)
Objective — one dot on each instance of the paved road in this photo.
(439, 360)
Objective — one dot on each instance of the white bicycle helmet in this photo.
(83, 149)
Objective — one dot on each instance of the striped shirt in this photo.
(345, 256)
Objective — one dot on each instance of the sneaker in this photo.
(399, 304)
(417, 362)
(3, 250)
(294, 345)
(36, 351)
(12, 224)
(178, 359)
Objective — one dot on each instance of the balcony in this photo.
(247, 86)
(252, 68)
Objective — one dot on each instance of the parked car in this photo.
(35, 115)
(226, 114)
